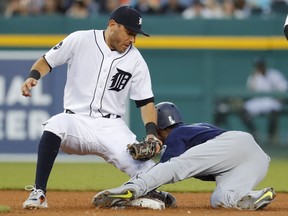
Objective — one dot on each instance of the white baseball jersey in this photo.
(273, 80)
(99, 80)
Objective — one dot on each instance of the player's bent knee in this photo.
(217, 200)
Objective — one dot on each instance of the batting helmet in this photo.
(168, 115)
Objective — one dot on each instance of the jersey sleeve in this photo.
(63, 51)
(278, 80)
(174, 148)
(141, 87)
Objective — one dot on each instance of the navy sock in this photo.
(47, 152)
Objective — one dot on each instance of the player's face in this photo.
(121, 38)
(161, 135)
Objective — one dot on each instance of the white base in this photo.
(143, 203)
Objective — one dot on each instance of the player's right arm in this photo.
(39, 69)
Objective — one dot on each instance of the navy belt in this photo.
(111, 115)
(106, 116)
(69, 111)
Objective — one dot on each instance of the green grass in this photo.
(4, 209)
(99, 176)
(64, 176)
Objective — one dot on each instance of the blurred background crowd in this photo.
(188, 9)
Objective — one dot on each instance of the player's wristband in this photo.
(151, 128)
(35, 74)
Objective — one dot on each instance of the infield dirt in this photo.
(63, 203)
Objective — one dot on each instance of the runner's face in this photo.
(121, 38)
(161, 134)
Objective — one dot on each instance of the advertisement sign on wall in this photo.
(21, 117)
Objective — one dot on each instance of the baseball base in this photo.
(143, 203)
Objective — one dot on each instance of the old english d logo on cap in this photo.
(130, 18)
(140, 21)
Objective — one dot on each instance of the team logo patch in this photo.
(119, 80)
(171, 120)
(58, 46)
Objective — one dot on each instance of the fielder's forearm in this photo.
(42, 66)
(149, 117)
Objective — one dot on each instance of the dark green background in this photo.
(188, 77)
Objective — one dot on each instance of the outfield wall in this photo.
(190, 61)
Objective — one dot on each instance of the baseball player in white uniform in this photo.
(104, 69)
(264, 79)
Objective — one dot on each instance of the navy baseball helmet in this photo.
(168, 115)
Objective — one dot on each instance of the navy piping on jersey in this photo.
(91, 109)
(99, 110)
(109, 74)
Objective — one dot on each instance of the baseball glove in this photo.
(144, 150)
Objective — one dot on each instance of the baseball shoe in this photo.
(167, 198)
(36, 199)
(108, 199)
(248, 202)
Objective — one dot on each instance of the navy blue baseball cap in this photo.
(259, 61)
(128, 17)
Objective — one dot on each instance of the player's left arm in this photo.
(149, 118)
(39, 69)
